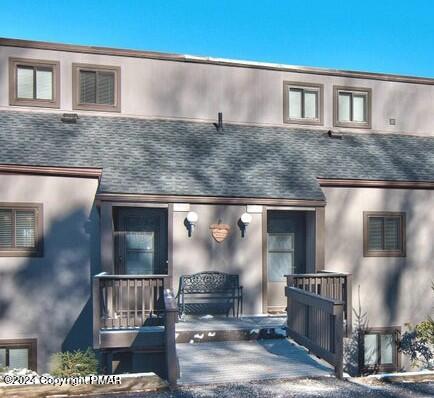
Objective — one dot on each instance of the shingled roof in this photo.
(189, 158)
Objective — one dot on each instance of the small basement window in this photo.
(352, 107)
(96, 87)
(18, 354)
(380, 350)
(302, 103)
(21, 230)
(384, 234)
(34, 83)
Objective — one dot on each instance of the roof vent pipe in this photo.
(69, 118)
(219, 124)
(331, 134)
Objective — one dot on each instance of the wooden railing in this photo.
(316, 322)
(130, 302)
(334, 285)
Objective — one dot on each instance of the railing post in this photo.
(339, 341)
(171, 314)
(349, 304)
(96, 300)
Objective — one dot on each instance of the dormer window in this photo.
(352, 107)
(302, 103)
(96, 87)
(34, 83)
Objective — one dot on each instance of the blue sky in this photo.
(378, 36)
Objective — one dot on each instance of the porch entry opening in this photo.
(289, 240)
(140, 241)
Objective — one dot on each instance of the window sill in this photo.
(97, 108)
(21, 253)
(315, 122)
(35, 103)
(353, 125)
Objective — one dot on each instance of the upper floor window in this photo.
(302, 103)
(34, 82)
(96, 87)
(20, 230)
(384, 234)
(352, 107)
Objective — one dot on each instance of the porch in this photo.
(136, 314)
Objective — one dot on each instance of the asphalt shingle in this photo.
(189, 158)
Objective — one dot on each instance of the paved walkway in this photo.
(241, 361)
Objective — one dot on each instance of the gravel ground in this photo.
(321, 388)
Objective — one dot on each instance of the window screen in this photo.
(384, 233)
(97, 87)
(20, 230)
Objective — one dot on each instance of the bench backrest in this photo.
(208, 282)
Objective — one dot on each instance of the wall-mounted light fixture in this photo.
(244, 221)
(191, 221)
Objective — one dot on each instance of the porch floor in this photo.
(241, 361)
(205, 329)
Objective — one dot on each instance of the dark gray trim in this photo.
(264, 220)
(384, 253)
(337, 182)
(320, 104)
(76, 68)
(13, 98)
(207, 60)
(319, 239)
(38, 250)
(358, 125)
(51, 170)
(127, 197)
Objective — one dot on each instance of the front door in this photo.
(286, 249)
(141, 241)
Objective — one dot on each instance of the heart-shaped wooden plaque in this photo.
(220, 231)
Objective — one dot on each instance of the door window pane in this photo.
(139, 263)
(280, 264)
(359, 105)
(44, 84)
(295, 96)
(371, 352)
(280, 242)
(387, 346)
(25, 228)
(140, 240)
(19, 358)
(344, 107)
(6, 228)
(25, 82)
(310, 104)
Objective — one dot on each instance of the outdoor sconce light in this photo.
(191, 219)
(245, 220)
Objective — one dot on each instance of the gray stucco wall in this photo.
(236, 255)
(48, 298)
(166, 89)
(393, 290)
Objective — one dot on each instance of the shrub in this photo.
(75, 363)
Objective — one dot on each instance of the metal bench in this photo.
(211, 292)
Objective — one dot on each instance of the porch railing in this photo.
(129, 302)
(334, 285)
(316, 323)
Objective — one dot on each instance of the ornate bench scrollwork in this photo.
(211, 292)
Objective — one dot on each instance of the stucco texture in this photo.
(48, 297)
